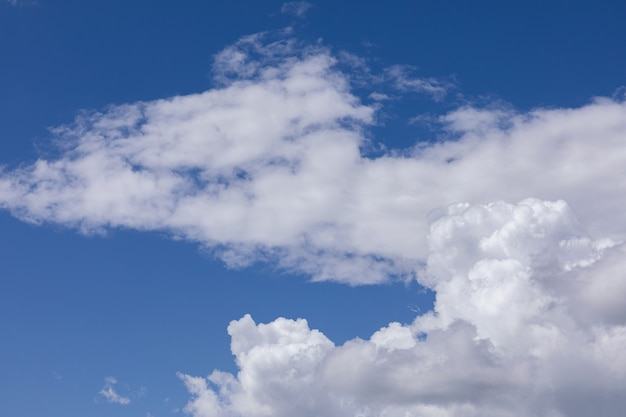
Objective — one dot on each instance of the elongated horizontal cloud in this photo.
(269, 167)
(401, 79)
(506, 337)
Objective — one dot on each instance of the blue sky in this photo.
(170, 167)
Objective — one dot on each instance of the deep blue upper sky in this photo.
(75, 309)
(69, 55)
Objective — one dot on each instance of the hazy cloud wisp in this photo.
(296, 8)
(109, 393)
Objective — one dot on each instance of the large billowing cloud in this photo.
(509, 334)
(270, 167)
(513, 219)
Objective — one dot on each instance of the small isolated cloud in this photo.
(109, 393)
(506, 337)
(296, 8)
(379, 96)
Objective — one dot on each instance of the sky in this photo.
(246, 209)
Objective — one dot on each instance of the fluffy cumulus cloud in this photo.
(513, 219)
(508, 335)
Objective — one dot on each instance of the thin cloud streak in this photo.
(401, 78)
(296, 8)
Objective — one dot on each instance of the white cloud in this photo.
(505, 337)
(268, 167)
(529, 318)
(109, 393)
(296, 8)
(378, 96)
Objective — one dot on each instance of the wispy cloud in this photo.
(296, 8)
(109, 393)
(402, 78)
(22, 2)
